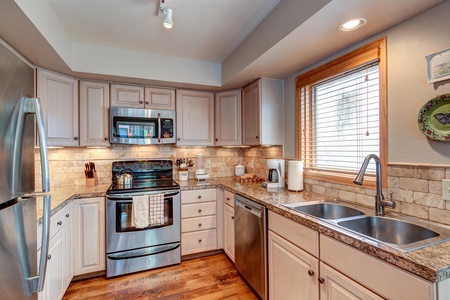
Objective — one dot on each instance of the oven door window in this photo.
(135, 127)
(124, 210)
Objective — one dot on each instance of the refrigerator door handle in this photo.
(33, 106)
(37, 282)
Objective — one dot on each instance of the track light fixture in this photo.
(166, 13)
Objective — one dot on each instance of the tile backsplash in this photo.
(417, 190)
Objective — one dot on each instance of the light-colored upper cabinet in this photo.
(59, 98)
(262, 111)
(159, 98)
(228, 118)
(127, 96)
(94, 114)
(195, 118)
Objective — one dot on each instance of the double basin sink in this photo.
(398, 234)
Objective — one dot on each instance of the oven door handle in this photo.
(130, 195)
(143, 252)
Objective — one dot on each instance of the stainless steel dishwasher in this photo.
(250, 243)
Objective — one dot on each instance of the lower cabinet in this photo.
(198, 221)
(228, 223)
(293, 272)
(59, 259)
(89, 235)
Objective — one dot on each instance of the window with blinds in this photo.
(341, 115)
(341, 121)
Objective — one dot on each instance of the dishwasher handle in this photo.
(255, 209)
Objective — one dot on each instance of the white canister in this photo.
(183, 175)
(295, 175)
(239, 170)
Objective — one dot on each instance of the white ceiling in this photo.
(233, 42)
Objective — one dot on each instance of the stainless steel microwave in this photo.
(138, 126)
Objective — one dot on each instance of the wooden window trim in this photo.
(375, 50)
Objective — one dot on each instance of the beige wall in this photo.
(416, 164)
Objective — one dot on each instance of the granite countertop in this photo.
(431, 263)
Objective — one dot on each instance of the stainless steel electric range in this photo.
(129, 248)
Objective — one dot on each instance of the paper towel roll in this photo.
(295, 175)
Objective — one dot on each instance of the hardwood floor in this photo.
(212, 277)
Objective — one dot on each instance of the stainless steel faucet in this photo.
(380, 203)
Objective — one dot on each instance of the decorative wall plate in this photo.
(434, 118)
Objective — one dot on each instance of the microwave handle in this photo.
(159, 127)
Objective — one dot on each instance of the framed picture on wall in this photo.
(438, 66)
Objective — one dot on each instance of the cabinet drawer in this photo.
(387, 280)
(196, 196)
(201, 223)
(198, 209)
(301, 236)
(200, 241)
(228, 198)
(56, 223)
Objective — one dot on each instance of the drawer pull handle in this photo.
(199, 211)
(199, 196)
(199, 224)
(232, 217)
(67, 215)
(321, 280)
(59, 223)
(49, 257)
(310, 272)
(200, 240)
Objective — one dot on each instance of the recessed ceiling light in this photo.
(352, 24)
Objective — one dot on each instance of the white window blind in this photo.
(340, 120)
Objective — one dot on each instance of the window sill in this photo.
(339, 178)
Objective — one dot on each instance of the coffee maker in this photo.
(276, 177)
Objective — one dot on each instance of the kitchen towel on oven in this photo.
(139, 212)
(156, 209)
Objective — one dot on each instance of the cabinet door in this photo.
(94, 114)
(293, 273)
(68, 247)
(59, 98)
(337, 286)
(228, 231)
(251, 110)
(157, 98)
(228, 118)
(127, 96)
(54, 285)
(195, 118)
(89, 235)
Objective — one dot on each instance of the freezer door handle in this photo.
(37, 282)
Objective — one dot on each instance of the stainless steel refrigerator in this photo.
(20, 114)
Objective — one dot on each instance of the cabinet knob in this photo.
(321, 280)
(106, 138)
(217, 140)
(59, 223)
(232, 217)
(178, 139)
(141, 102)
(147, 103)
(199, 196)
(49, 256)
(310, 272)
(199, 211)
(200, 240)
(75, 138)
(199, 224)
(67, 215)
(228, 198)
(257, 137)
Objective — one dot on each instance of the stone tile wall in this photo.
(417, 190)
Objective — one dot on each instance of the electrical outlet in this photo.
(208, 164)
(446, 189)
